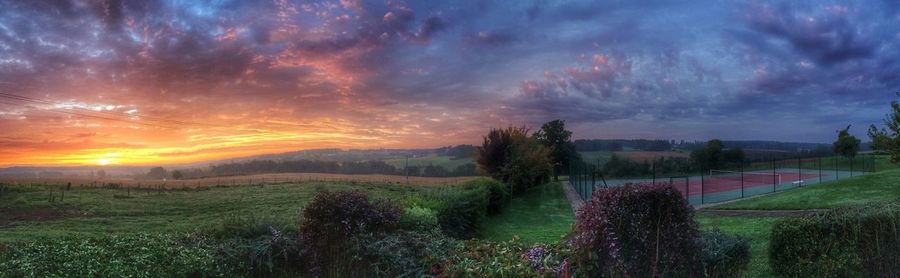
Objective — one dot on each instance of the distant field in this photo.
(27, 213)
(641, 156)
(447, 162)
(235, 180)
(596, 156)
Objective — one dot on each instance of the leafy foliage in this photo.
(419, 219)
(332, 219)
(724, 255)
(715, 156)
(554, 136)
(846, 145)
(506, 259)
(402, 254)
(880, 139)
(511, 156)
(637, 230)
(141, 255)
(848, 242)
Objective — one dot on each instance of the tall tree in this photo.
(157, 173)
(846, 145)
(553, 135)
(495, 150)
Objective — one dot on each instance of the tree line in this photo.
(310, 166)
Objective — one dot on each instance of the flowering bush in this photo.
(332, 219)
(637, 230)
(478, 258)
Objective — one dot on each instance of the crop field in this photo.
(642, 156)
(85, 181)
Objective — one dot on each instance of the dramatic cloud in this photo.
(175, 81)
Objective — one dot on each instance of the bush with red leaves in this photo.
(637, 230)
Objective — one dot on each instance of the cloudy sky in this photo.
(140, 82)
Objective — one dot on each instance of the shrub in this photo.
(141, 255)
(418, 219)
(251, 227)
(462, 210)
(332, 219)
(637, 230)
(497, 191)
(724, 255)
(252, 252)
(854, 241)
(402, 254)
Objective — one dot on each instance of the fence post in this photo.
(701, 186)
(819, 163)
(653, 169)
(774, 176)
(742, 180)
(799, 171)
(851, 166)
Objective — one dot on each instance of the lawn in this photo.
(756, 229)
(539, 215)
(447, 162)
(99, 211)
(879, 186)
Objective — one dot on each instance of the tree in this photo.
(892, 121)
(554, 136)
(177, 175)
(511, 156)
(711, 157)
(157, 173)
(101, 174)
(880, 139)
(494, 151)
(846, 145)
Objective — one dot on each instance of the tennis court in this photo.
(718, 186)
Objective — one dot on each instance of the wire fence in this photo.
(734, 181)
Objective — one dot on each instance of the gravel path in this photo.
(573, 197)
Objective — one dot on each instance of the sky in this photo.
(149, 82)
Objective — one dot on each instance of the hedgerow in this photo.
(847, 242)
(637, 230)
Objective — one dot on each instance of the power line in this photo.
(88, 115)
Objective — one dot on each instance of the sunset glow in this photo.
(162, 82)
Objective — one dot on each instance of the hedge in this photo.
(847, 242)
(724, 255)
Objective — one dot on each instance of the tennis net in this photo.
(747, 177)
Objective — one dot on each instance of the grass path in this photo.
(539, 215)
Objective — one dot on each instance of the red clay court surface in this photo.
(717, 184)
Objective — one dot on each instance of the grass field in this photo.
(447, 162)
(540, 215)
(100, 211)
(756, 229)
(879, 186)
